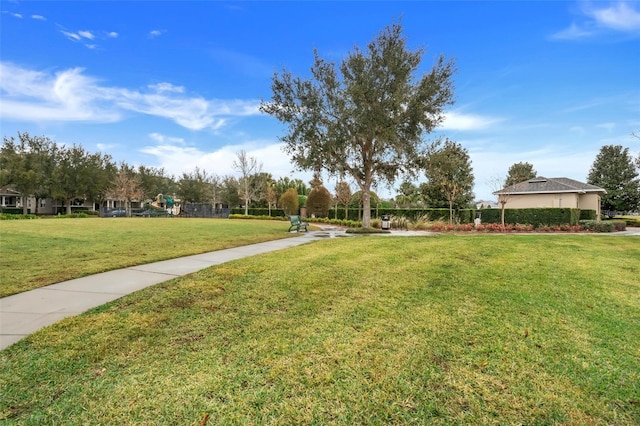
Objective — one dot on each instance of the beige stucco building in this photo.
(551, 192)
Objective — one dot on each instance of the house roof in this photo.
(8, 191)
(543, 185)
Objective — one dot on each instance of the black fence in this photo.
(203, 210)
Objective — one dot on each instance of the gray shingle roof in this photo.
(542, 184)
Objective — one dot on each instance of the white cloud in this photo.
(619, 16)
(166, 139)
(177, 158)
(166, 87)
(607, 126)
(86, 34)
(594, 20)
(156, 33)
(16, 15)
(71, 36)
(465, 122)
(38, 17)
(65, 96)
(574, 32)
(112, 34)
(579, 130)
(70, 95)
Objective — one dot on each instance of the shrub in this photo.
(289, 201)
(595, 226)
(319, 201)
(8, 216)
(366, 231)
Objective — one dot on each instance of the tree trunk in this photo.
(24, 204)
(246, 207)
(366, 208)
(68, 203)
(502, 215)
(450, 212)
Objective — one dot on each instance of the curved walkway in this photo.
(24, 313)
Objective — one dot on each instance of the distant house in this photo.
(552, 192)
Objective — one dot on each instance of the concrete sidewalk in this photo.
(24, 313)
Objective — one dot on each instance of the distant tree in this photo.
(248, 167)
(289, 201)
(365, 118)
(28, 163)
(271, 195)
(229, 191)
(126, 186)
(343, 196)
(195, 186)
(154, 181)
(408, 194)
(448, 169)
(520, 172)
(614, 170)
(498, 184)
(102, 178)
(260, 184)
(75, 175)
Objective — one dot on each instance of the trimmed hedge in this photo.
(536, 217)
(461, 215)
(588, 215)
(259, 212)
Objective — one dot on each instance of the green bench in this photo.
(297, 223)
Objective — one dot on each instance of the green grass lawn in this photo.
(483, 329)
(35, 253)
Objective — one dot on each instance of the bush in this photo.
(632, 222)
(595, 226)
(319, 201)
(8, 216)
(289, 201)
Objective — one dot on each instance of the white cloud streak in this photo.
(38, 17)
(466, 122)
(619, 16)
(86, 34)
(69, 95)
(616, 16)
(156, 33)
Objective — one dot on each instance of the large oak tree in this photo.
(365, 118)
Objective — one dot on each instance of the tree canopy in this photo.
(520, 172)
(449, 174)
(614, 170)
(365, 118)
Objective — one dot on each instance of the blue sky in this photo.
(178, 84)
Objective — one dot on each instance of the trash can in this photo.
(385, 222)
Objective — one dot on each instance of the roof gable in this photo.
(542, 185)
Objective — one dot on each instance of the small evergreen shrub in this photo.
(8, 216)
